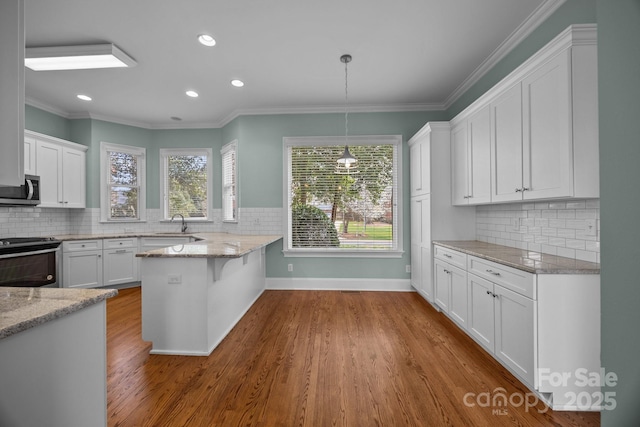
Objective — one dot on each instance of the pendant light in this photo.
(346, 163)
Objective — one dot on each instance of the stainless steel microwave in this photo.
(27, 194)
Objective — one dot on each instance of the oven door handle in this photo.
(43, 251)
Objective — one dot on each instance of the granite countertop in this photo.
(24, 308)
(214, 245)
(207, 245)
(522, 259)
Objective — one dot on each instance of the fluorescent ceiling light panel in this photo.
(81, 57)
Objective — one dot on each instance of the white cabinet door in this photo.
(441, 285)
(479, 155)
(421, 245)
(481, 311)
(49, 168)
(74, 178)
(459, 165)
(458, 306)
(506, 171)
(120, 266)
(420, 164)
(82, 269)
(514, 332)
(29, 156)
(547, 142)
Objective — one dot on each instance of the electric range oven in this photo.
(29, 261)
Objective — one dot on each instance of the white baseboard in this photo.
(318, 284)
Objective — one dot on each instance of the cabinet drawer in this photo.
(82, 245)
(452, 257)
(511, 278)
(129, 242)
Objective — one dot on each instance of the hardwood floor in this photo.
(317, 358)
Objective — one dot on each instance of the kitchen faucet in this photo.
(184, 225)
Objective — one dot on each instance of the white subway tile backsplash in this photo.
(557, 228)
(16, 222)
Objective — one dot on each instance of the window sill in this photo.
(319, 253)
(187, 221)
(122, 221)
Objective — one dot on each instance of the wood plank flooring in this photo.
(307, 358)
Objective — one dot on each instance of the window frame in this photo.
(396, 141)
(141, 174)
(164, 153)
(231, 147)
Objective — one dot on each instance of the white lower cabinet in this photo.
(541, 327)
(502, 321)
(120, 263)
(82, 264)
(450, 284)
(99, 262)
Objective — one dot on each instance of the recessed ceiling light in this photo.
(192, 93)
(237, 83)
(206, 40)
(84, 97)
(81, 57)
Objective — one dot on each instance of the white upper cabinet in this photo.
(506, 146)
(543, 128)
(547, 159)
(420, 166)
(61, 166)
(29, 156)
(471, 157)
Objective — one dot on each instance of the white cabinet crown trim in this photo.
(59, 141)
(574, 35)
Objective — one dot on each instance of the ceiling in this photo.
(408, 55)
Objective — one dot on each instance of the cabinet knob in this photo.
(488, 292)
(518, 190)
(525, 189)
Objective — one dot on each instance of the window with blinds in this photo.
(229, 178)
(186, 174)
(122, 182)
(340, 211)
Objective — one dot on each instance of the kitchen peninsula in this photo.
(194, 293)
(53, 353)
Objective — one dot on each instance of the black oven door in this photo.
(29, 269)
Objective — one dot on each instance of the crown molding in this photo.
(328, 109)
(534, 20)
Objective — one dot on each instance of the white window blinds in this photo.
(229, 178)
(330, 210)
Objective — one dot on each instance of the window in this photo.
(185, 182)
(122, 189)
(332, 213)
(229, 179)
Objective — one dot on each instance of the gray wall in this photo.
(619, 91)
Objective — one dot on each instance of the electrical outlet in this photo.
(407, 268)
(175, 279)
(290, 267)
(590, 227)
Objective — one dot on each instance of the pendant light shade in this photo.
(346, 163)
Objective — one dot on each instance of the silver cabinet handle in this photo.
(493, 272)
(447, 255)
(518, 190)
(121, 251)
(525, 189)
